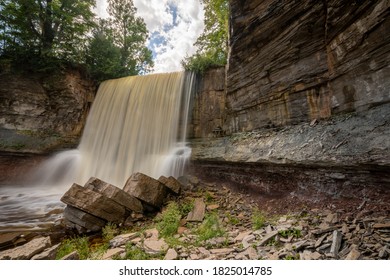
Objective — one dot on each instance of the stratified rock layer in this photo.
(295, 61)
(36, 109)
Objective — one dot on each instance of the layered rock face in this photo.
(295, 61)
(55, 104)
(208, 114)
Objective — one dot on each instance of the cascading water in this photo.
(133, 126)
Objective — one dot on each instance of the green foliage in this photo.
(135, 253)
(47, 35)
(79, 244)
(42, 32)
(210, 228)
(109, 231)
(292, 257)
(129, 34)
(170, 220)
(186, 207)
(232, 219)
(290, 232)
(213, 42)
(258, 220)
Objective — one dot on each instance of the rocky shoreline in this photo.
(239, 229)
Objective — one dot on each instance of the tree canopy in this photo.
(42, 29)
(213, 42)
(44, 33)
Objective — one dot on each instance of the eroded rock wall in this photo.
(41, 111)
(295, 61)
(57, 102)
(208, 113)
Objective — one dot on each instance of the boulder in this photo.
(147, 189)
(82, 221)
(94, 203)
(173, 185)
(119, 196)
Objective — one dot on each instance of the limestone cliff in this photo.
(307, 96)
(295, 61)
(36, 110)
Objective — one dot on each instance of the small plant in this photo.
(210, 228)
(208, 197)
(109, 231)
(80, 244)
(233, 220)
(290, 232)
(292, 257)
(169, 220)
(135, 253)
(258, 220)
(272, 242)
(186, 208)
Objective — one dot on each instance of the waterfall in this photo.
(136, 124)
(133, 127)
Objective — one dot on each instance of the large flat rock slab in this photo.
(26, 251)
(119, 196)
(94, 203)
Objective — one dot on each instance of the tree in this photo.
(46, 28)
(213, 42)
(130, 34)
(103, 57)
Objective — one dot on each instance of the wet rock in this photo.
(9, 239)
(146, 189)
(26, 251)
(94, 203)
(172, 184)
(198, 213)
(119, 196)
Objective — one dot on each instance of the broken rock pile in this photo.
(90, 207)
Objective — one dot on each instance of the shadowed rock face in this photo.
(294, 61)
(38, 105)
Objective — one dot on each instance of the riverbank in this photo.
(226, 224)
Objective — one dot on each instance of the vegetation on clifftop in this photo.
(213, 42)
(44, 35)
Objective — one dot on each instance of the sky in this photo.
(174, 26)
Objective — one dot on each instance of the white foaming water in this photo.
(133, 126)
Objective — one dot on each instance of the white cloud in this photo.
(172, 38)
